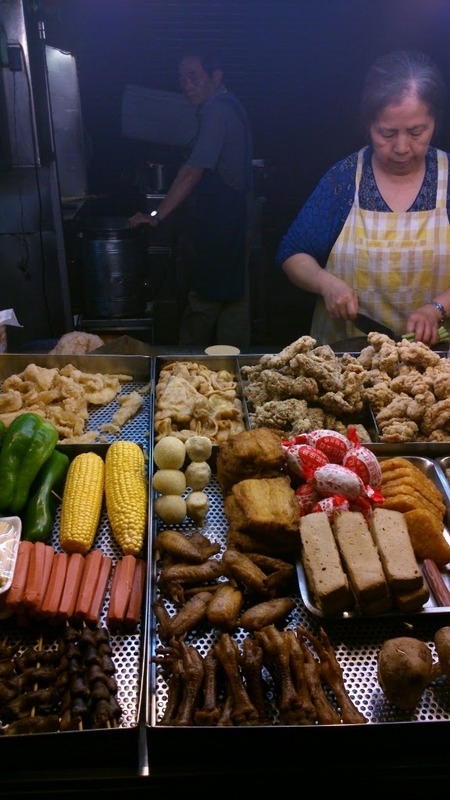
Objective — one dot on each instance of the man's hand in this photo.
(142, 219)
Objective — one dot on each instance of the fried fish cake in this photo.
(405, 502)
(393, 489)
(426, 532)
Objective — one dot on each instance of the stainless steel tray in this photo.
(128, 650)
(434, 472)
(356, 647)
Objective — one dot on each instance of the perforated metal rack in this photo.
(356, 641)
(127, 650)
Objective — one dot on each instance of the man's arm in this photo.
(186, 180)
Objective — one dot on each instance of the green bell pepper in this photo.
(27, 443)
(2, 431)
(39, 514)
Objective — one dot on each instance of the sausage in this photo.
(50, 604)
(75, 567)
(133, 612)
(14, 595)
(436, 582)
(98, 595)
(38, 575)
(89, 578)
(120, 590)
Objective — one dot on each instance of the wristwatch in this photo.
(440, 308)
(155, 217)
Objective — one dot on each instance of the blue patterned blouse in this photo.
(321, 219)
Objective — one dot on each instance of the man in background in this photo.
(217, 175)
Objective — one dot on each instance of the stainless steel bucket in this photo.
(113, 273)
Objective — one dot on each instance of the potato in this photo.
(405, 668)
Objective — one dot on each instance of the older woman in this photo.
(374, 236)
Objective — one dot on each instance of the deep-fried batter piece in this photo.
(251, 454)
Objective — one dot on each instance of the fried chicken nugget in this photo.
(426, 532)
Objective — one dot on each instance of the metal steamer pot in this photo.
(113, 268)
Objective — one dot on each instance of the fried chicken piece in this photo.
(266, 613)
(173, 579)
(191, 614)
(252, 663)
(322, 366)
(399, 430)
(224, 607)
(240, 567)
(326, 714)
(209, 712)
(281, 575)
(417, 354)
(277, 660)
(227, 652)
(436, 417)
(302, 345)
(192, 672)
(331, 674)
(292, 416)
(195, 548)
(297, 665)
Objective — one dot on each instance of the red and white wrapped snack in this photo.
(332, 443)
(301, 459)
(307, 498)
(330, 504)
(336, 479)
(362, 461)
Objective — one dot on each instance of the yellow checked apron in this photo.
(396, 262)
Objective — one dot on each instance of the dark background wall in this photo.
(297, 65)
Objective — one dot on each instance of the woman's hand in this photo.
(424, 324)
(341, 302)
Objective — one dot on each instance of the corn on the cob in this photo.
(82, 503)
(126, 494)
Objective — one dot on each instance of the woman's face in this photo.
(401, 134)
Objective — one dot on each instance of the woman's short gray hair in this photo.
(391, 77)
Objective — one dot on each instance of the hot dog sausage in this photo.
(14, 595)
(75, 567)
(120, 590)
(50, 603)
(133, 612)
(98, 595)
(89, 578)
